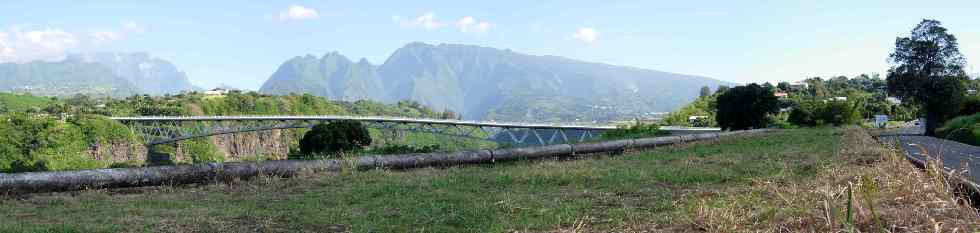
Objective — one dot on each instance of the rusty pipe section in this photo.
(33, 182)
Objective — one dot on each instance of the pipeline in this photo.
(34, 182)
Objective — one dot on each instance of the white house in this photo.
(217, 91)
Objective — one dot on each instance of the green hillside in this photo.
(22, 102)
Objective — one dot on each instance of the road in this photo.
(954, 155)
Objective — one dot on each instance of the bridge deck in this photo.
(366, 118)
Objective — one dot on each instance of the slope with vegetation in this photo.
(835, 101)
(74, 133)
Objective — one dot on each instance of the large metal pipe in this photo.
(30, 182)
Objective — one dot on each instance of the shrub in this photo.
(962, 129)
(334, 137)
(816, 113)
(745, 107)
(703, 106)
(33, 143)
(404, 149)
(201, 151)
(970, 106)
(634, 131)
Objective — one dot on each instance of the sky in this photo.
(241, 43)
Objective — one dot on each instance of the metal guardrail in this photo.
(168, 129)
(365, 118)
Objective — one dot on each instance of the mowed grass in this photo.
(655, 189)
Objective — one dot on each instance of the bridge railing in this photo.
(368, 118)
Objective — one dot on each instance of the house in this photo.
(781, 95)
(799, 85)
(217, 91)
(893, 100)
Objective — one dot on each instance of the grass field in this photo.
(706, 186)
(20, 103)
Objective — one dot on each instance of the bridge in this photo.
(169, 129)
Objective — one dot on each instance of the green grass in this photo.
(657, 187)
(20, 102)
(965, 129)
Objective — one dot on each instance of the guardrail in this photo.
(364, 118)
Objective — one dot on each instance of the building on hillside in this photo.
(893, 100)
(798, 85)
(217, 91)
(781, 95)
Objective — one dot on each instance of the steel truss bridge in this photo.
(169, 129)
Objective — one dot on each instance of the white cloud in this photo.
(131, 26)
(587, 35)
(5, 50)
(470, 24)
(17, 45)
(482, 27)
(427, 21)
(297, 12)
(99, 37)
(103, 36)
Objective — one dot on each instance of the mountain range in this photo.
(491, 84)
(99, 74)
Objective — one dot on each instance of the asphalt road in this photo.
(954, 155)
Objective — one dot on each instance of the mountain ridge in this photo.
(97, 74)
(489, 83)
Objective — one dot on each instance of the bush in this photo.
(404, 149)
(34, 143)
(963, 129)
(703, 106)
(970, 106)
(817, 113)
(635, 131)
(334, 137)
(201, 151)
(745, 107)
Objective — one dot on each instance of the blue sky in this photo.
(241, 43)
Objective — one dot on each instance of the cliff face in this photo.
(247, 146)
(269, 145)
(119, 153)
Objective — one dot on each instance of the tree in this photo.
(722, 89)
(817, 88)
(768, 85)
(927, 71)
(745, 107)
(338, 136)
(705, 91)
(784, 86)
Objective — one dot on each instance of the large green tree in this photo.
(745, 107)
(927, 70)
(705, 91)
(334, 137)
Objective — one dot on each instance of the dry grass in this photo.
(855, 194)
